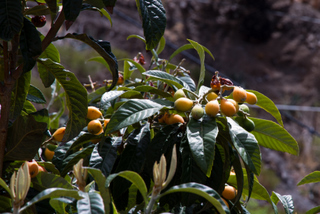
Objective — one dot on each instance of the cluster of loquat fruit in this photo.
(215, 103)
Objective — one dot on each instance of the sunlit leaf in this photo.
(311, 178)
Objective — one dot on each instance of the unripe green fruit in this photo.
(243, 108)
(248, 125)
(239, 120)
(183, 104)
(179, 93)
(197, 112)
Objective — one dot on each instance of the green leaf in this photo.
(273, 136)
(134, 178)
(204, 191)
(109, 96)
(314, 210)
(35, 95)
(189, 81)
(161, 45)
(11, 18)
(5, 204)
(19, 95)
(52, 193)
(101, 60)
(137, 37)
(167, 78)
(131, 112)
(91, 203)
(268, 105)
(104, 49)
(76, 97)
(202, 136)
(153, 90)
(30, 45)
(311, 178)
(100, 179)
(200, 50)
(154, 21)
(5, 187)
(52, 53)
(96, 95)
(137, 65)
(52, 4)
(59, 205)
(186, 47)
(46, 180)
(71, 160)
(286, 201)
(246, 146)
(71, 9)
(37, 10)
(24, 138)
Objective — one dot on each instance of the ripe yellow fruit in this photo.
(59, 133)
(225, 202)
(120, 79)
(235, 104)
(174, 118)
(183, 104)
(33, 168)
(48, 154)
(212, 96)
(212, 108)
(229, 192)
(95, 127)
(105, 122)
(163, 118)
(93, 113)
(95, 141)
(251, 98)
(239, 94)
(227, 108)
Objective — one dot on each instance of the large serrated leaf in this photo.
(24, 138)
(286, 201)
(131, 112)
(19, 95)
(30, 45)
(273, 136)
(52, 193)
(76, 97)
(104, 49)
(311, 178)
(11, 18)
(246, 146)
(91, 203)
(154, 21)
(167, 78)
(204, 191)
(268, 105)
(35, 95)
(202, 136)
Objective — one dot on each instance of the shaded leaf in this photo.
(167, 78)
(153, 90)
(273, 136)
(19, 95)
(313, 210)
(76, 97)
(154, 20)
(46, 180)
(30, 44)
(11, 18)
(71, 9)
(24, 138)
(204, 191)
(35, 95)
(52, 193)
(286, 201)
